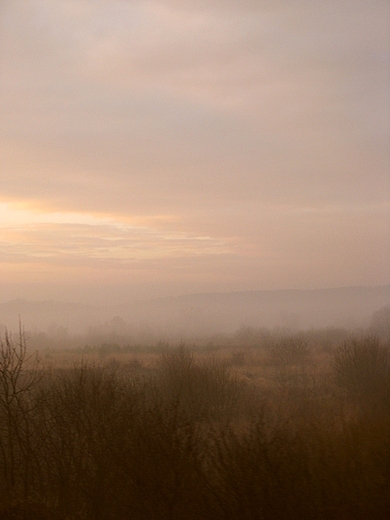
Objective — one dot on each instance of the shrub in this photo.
(247, 336)
(289, 350)
(102, 442)
(380, 323)
(204, 390)
(17, 413)
(362, 368)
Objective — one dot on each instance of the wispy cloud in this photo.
(150, 124)
(61, 238)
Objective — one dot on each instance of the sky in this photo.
(155, 148)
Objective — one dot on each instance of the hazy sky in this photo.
(171, 146)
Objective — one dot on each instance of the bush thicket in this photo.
(188, 440)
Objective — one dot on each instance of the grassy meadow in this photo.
(254, 426)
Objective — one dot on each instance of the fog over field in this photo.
(200, 315)
(194, 259)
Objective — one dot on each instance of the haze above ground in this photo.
(158, 148)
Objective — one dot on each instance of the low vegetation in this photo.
(269, 426)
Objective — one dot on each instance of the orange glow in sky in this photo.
(192, 146)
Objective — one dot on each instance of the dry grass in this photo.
(195, 433)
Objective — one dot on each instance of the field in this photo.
(259, 425)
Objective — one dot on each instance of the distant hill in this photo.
(211, 312)
(345, 306)
(39, 315)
